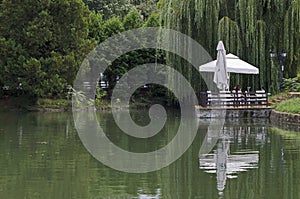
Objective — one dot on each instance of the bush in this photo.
(292, 84)
(54, 103)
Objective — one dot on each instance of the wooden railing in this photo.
(234, 98)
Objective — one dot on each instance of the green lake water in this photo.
(41, 156)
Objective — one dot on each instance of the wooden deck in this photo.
(233, 104)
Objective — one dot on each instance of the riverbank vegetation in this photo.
(292, 84)
(43, 43)
(287, 101)
(289, 106)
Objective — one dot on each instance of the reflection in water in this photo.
(20, 133)
(67, 128)
(141, 195)
(51, 162)
(227, 165)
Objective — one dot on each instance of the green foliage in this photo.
(77, 95)
(229, 33)
(292, 36)
(145, 7)
(289, 106)
(113, 26)
(292, 84)
(100, 93)
(109, 8)
(54, 103)
(121, 8)
(31, 83)
(132, 59)
(96, 27)
(39, 35)
(79, 99)
(132, 20)
(12, 59)
(42, 45)
(153, 20)
(249, 29)
(273, 98)
(100, 98)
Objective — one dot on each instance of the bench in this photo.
(233, 98)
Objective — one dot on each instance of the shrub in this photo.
(292, 84)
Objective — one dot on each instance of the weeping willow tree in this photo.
(229, 33)
(260, 53)
(249, 29)
(180, 15)
(292, 37)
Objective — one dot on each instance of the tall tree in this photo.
(109, 8)
(52, 40)
(96, 27)
(132, 20)
(121, 7)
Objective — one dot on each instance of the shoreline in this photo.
(9, 105)
(278, 117)
(282, 121)
(53, 106)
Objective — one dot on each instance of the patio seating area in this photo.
(234, 99)
(235, 103)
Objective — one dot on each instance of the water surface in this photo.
(42, 157)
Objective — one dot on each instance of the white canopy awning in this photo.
(234, 65)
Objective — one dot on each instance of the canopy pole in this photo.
(229, 81)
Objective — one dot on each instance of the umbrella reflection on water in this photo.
(226, 164)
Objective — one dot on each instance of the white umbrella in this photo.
(221, 76)
(234, 65)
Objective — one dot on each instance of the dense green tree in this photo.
(109, 8)
(153, 20)
(96, 27)
(132, 59)
(32, 81)
(121, 7)
(132, 20)
(292, 36)
(12, 58)
(118, 67)
(113, 26)
(44, 42)
(145, 7)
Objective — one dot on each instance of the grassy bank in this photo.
(49, 105)
(64, 104)
(273, 98)
(24, 104)
(54, 103)
(289, 106)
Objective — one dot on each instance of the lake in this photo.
(42, 156)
